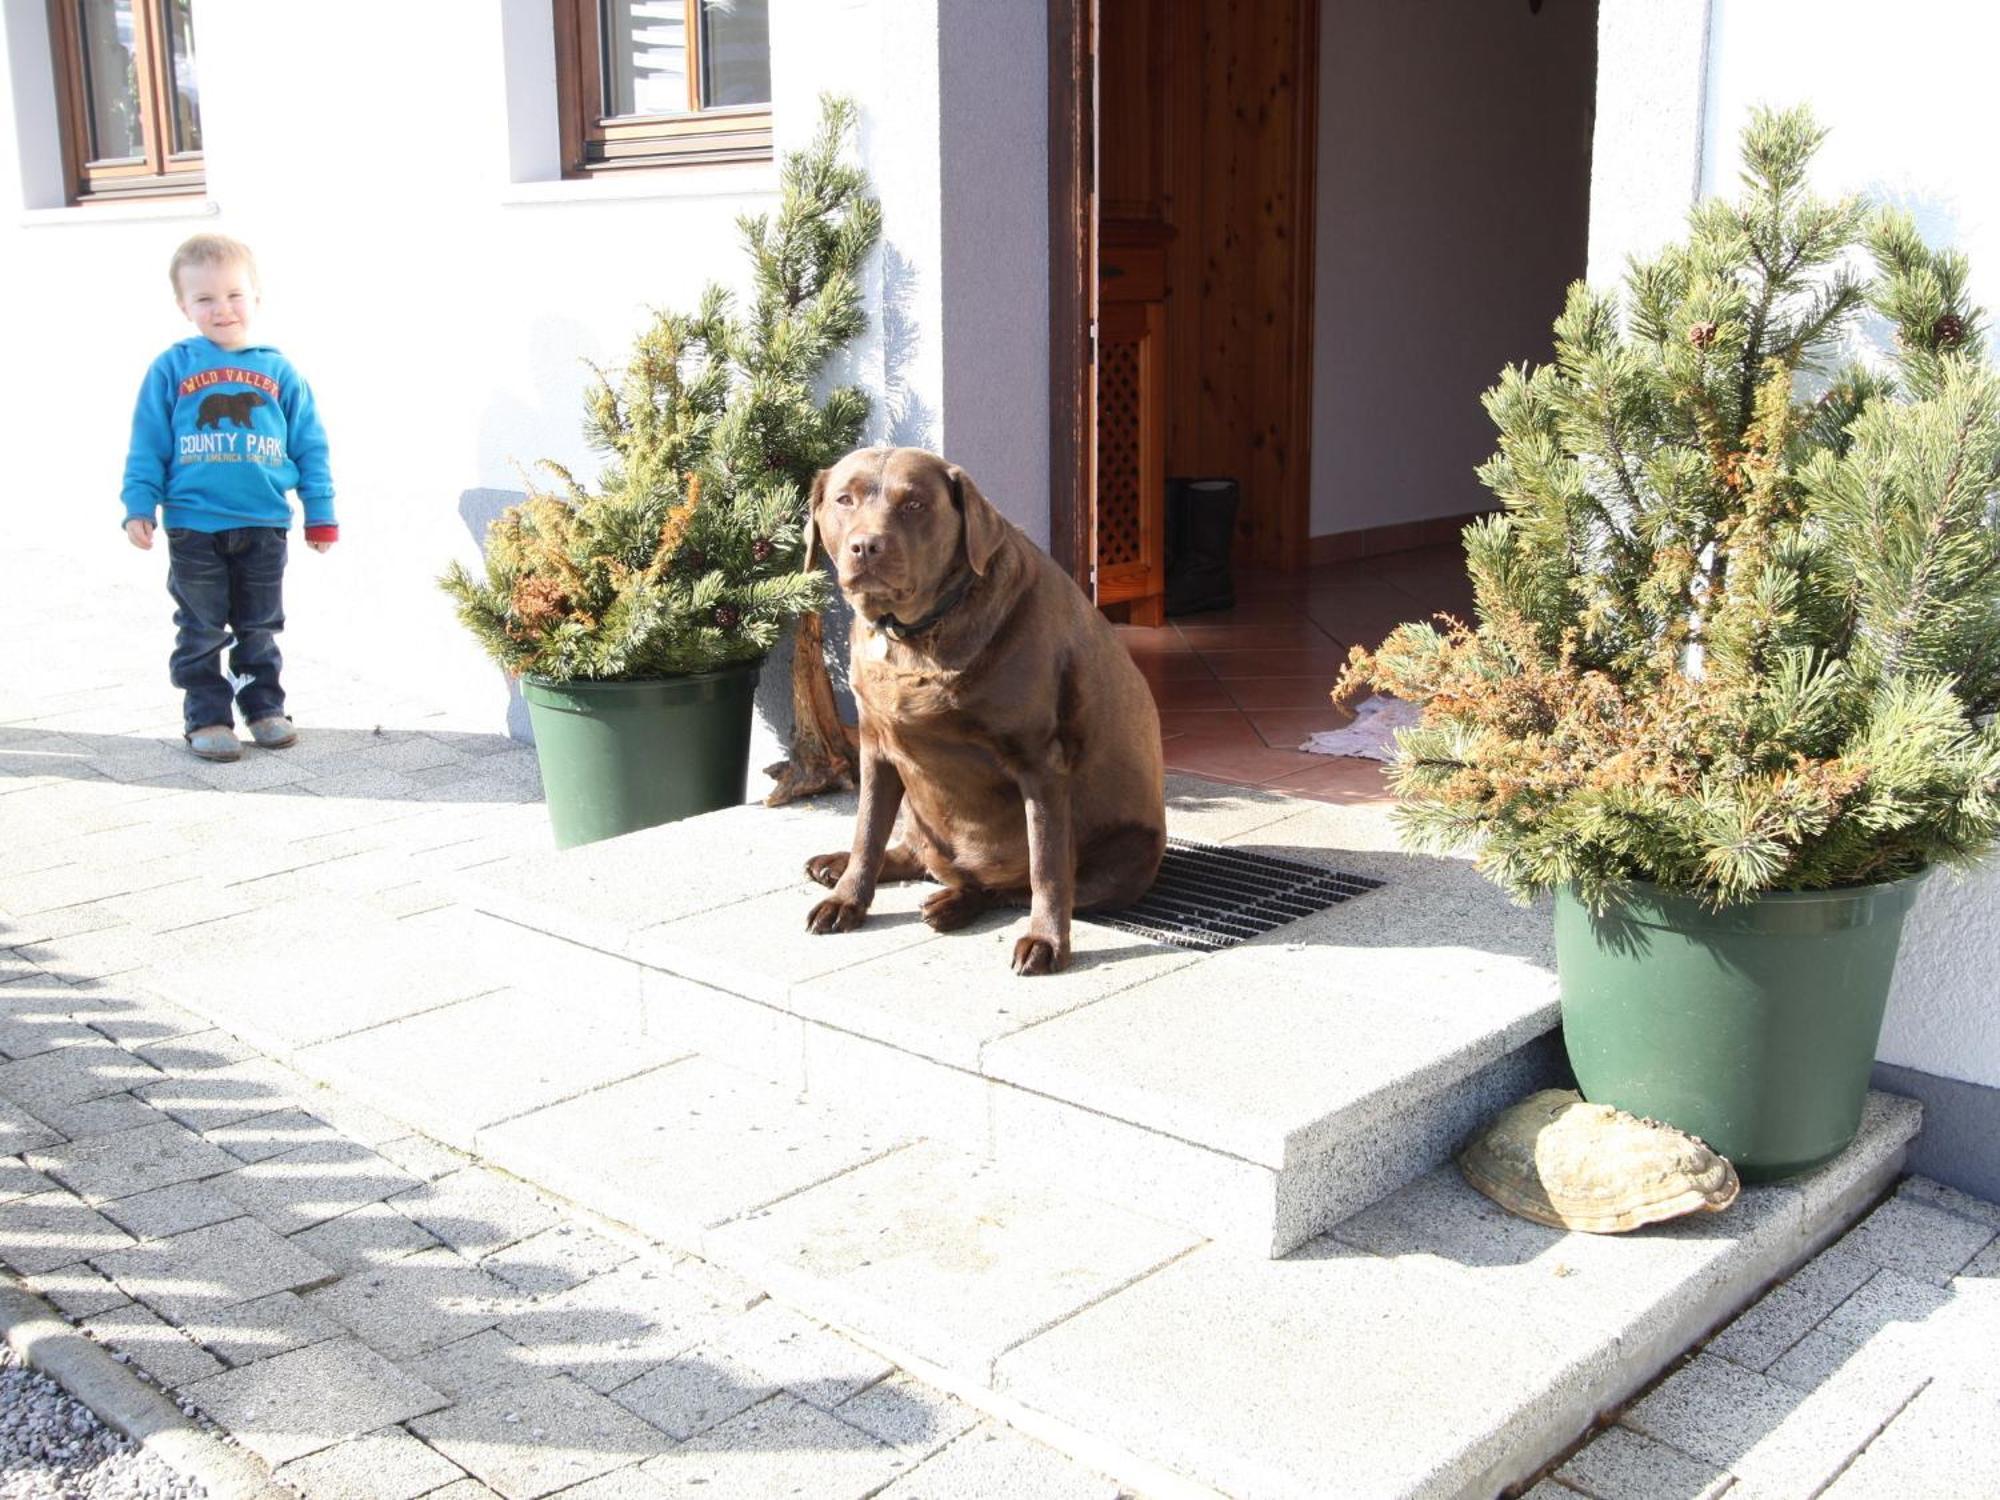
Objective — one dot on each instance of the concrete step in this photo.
(1427, 1346)
(1430, 1346)
(1257, 1096)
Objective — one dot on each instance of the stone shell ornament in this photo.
(1560, 1161)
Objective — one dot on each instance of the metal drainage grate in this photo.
(1208, 897)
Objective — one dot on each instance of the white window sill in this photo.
(682, 183)
(119, 213)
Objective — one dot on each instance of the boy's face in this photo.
(220, 299)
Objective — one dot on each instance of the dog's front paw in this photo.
(1040, 955)
(827, 868)
(835, 915)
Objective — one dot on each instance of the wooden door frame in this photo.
(1072, 273)
(1073, 270)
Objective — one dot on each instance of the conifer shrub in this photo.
(686, 556)
(1738, 624)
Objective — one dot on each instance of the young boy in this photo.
(225, 428)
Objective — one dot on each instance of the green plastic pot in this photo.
(620, 756)
(1753, 1027)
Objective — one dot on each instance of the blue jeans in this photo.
(228, 587)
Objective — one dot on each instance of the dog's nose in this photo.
(864, 548)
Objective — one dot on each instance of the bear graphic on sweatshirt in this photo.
(235, 406)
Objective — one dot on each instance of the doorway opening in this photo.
(1291, 244)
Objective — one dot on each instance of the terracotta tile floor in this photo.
(1239, 690)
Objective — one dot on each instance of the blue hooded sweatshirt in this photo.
(221, 437)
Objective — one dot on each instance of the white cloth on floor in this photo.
(1372, 735)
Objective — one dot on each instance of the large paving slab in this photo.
(607, 1332)
(781, 1446)
(477, 1211)
(458, 1069)
(297, 1403)
(133, 1161)
(1398, 1380)
(1611, 1284)
(762, 949)
(1191, 1053)
(21, 1131)
(682, 1148)
(996, 1463)
(243, 973)
(1469, 1349)
(414, 1304)
(310, 1184)
(386, 1465)
(601, 894)
(188, 1276)
(539, 1439)
(42, 1231)
(948, 1000)
(73, 1075)
(941, 1255)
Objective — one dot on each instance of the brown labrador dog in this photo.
(998, 711)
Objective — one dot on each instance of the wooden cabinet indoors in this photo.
(1132, 419)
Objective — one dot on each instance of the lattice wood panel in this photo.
(1120, 535)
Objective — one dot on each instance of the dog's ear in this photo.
(985, 527)
(812, 520)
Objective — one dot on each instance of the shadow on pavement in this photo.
(303, 1269)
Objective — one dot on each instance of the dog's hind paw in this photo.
(835, 915)
(954, 906)
(827, 868)
(1034, 955)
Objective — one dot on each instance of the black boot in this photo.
(1198, 551)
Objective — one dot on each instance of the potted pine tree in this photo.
(1730, 693)
(637, 614)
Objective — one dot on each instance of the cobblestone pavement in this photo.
(1887, 1342)
(374, 1314)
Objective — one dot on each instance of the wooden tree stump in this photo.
(824, 749)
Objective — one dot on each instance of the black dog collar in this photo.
(952, 597)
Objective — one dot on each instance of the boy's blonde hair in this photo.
(211, 250)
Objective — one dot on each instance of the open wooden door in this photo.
(1108, 339)
(1182, 163)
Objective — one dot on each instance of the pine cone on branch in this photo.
(1702, 335)
(1948, 332)
(726, 616)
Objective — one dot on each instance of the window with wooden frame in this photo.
(127, 98)
(653, 83)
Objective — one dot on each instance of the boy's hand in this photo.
(140, 530)
(320, 546)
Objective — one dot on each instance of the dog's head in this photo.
(902, 527)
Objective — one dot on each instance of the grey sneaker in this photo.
(214, 742)
(274, 733)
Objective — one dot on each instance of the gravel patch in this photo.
(52, 1447)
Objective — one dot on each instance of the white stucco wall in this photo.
(1678, 79)
(1453, 166)
(994, 210)
(442, 292)
(1645, 160)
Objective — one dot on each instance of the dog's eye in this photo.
(844, 500)
(911, 507)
